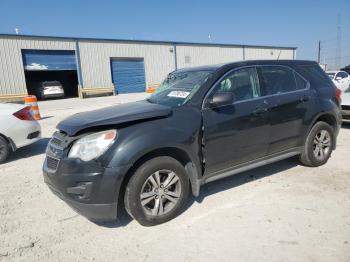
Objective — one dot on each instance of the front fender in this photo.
(137, 142)
(180, 131)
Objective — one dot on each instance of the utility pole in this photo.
(319, 52)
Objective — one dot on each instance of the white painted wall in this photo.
(268, 53)
(206, 55)
(95, 60)
(96, 55)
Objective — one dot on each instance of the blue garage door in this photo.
(49, 60)
(128, 75)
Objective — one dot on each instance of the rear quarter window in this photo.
(301, 83)
(315, 74)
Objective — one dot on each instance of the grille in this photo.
(55, 141)
(52, 163)
(345, 107)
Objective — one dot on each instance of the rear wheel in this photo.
(318, 145)
(157, 191)
(4, 150)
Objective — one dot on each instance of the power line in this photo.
(335, 57)
(334, 39)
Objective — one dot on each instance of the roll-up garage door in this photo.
(42, 66)
(49, 60)
(128, 75)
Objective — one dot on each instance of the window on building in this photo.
(187, 59)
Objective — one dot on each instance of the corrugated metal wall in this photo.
(96, 55)
(95, 60)
(268, 53)
(188, 55)
(12, 80)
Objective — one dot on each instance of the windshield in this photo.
(179, 87)
(331, 75)
(51, 83)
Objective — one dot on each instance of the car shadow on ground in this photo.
(216, 187)
(123, 220)
(245, 177)
(34, 149)
(346, 125)
(45, 117)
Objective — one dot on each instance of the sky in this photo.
(299, 23)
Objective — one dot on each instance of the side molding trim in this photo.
(251, 165)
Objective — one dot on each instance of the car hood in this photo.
(113, 115)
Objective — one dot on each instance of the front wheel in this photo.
(157, 191)
(318, 145)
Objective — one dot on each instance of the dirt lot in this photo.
(280, 212)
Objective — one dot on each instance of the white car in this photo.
(18, 128)
(50, 89)
(345, 104)
(341, 79)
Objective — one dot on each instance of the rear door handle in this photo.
(305, 98)
(259, 110)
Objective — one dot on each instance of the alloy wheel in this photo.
(160, 192)
(322, 145)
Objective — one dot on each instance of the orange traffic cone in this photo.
(33, 102)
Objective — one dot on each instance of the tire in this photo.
(312, 156)
(173, 184)
(4, 150)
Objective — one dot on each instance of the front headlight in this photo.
(93, 145)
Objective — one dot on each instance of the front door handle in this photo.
(305, 98)
(259, 110)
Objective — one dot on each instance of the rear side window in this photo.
(280, 79)
(316, 74)
(342, 75)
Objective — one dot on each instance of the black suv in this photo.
(201, 124)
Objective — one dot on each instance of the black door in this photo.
(294, 101)
(238, 132)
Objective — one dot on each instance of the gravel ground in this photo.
(280, 212)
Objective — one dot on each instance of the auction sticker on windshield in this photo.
(179, 94)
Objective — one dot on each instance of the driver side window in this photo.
(341, 75)
(243, 83)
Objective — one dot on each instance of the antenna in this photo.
(278, 57)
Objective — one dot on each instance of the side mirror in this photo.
(338, 78)
(221, 99)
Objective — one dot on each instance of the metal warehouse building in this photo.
(88, 66)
